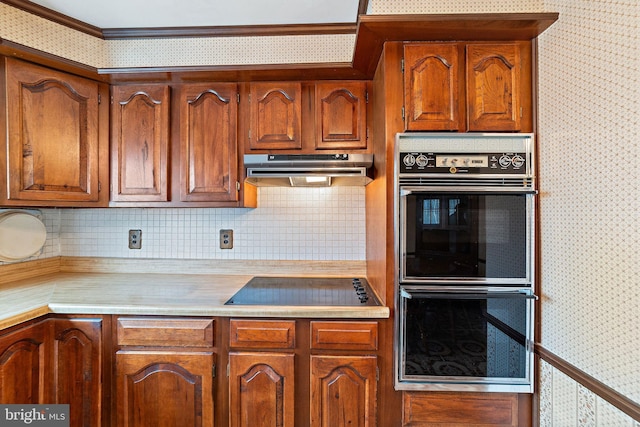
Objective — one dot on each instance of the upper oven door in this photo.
(466, 235)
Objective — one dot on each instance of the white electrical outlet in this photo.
(135, 239)
(226, 239)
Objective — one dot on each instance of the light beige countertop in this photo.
(74, 290)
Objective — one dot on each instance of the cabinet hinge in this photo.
(402, 65)
(99, 98)
(367, 132)
(213, 371)
(249, 134)
(237, 185)
(366, 96)
(99, 186)
(402, 113)
(238, 97)
(377, 373)
(228, 369)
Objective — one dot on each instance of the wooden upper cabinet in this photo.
(139, 143)
(57, 138)
(275, 109)
(341, 115)
(431, 85)
(208, 142)
(468, 87)
(493, 87)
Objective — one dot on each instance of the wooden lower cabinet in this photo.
(23, 365)
(164, 389)
(343, 391)
(164, 371)
(78, 369)
(302, 373)
(451, 409)
(261, 389)
(55, 360)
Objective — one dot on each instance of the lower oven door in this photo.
(465, 341)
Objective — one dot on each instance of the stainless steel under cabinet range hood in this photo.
(308, 170)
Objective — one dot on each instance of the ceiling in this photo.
(114, 14)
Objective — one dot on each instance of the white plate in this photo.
(21, 235)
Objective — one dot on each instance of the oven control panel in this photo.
(485, 163)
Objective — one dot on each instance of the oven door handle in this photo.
(468, 295)
(405, 191)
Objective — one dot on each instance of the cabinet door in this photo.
(22, 366)
(275, 116)
(139, 143)
(53, 136)
(343, 391)
(261, 390)
(341, 115)
(493, 87)
(208, 145)
(77, 369)
(164, 389)
(432, 91)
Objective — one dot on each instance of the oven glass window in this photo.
(466, 235)
(482, 337)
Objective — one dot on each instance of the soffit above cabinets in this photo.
(135, 18)
(111, 61)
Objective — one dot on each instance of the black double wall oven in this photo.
(464, 213)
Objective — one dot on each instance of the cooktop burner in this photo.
(305, 291)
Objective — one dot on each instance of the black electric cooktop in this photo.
(334, 291)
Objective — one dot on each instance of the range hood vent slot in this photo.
(312, 170)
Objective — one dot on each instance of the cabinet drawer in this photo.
(460, 409)
(165, 332)
(344, 335)
(262, 333)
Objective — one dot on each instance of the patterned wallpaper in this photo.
(17, 26)
(589, 126)
(590, 197)
(20, 27)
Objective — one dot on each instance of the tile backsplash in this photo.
(320, 224)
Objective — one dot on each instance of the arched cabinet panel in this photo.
(493, 87)
(341, 115)
(164, 388)
(139, 143)
(208, 152)
(22, 366)
(275, 116)
(57, 135)
(431, 80)
(343, 391)
(261, 390)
